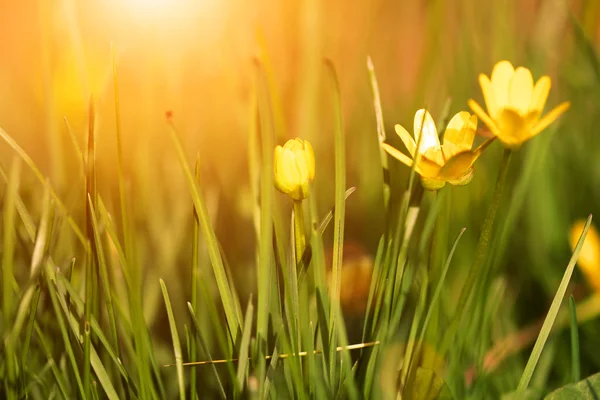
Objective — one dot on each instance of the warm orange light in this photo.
(158, 8)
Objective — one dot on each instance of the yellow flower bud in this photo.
(294, 168)
(589, 257)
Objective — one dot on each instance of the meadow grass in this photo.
(456, 302)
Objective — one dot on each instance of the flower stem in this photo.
(480, 253)
(299, 237)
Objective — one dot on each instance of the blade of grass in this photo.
(175, 338)
(104, 280)
(339, 217)
(8, 247)
(244, 347)
(58, 376)
(381, 136)
(22, 210)
(63, 330)
(551, 316)
(206, 350)
(265, 256)
(65, 288)
(575, 363)
(40, 177)
(225, 291)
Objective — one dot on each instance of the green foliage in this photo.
(138, 294)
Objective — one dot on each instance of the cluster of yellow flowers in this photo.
(514, 115)
(514, 108)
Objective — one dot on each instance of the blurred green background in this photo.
(194, 58)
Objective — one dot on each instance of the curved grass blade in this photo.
(58, 376)
(551, 316)
(176, 343)
(225, 290)
(206, 350)
(383, 155)
(244, 346)
(8, 247)
(40, 177)
(340, 208)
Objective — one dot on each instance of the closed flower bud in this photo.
(294, 168)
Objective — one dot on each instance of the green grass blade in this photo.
(340, 213)
(8, 246)
(176, 343)
(244, 347)
(552, 313)
(206, 350)
(22, 210)
(63, 329)
(433, 303)
(265, 255)
(40, 177)
(104, 279)
(575, 363)
(58, 376)
(381, 136)
(225, 291)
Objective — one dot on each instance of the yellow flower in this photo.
(294, 168)
(515, 104)
(589, 257)
(437, 164)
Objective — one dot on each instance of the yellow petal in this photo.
(483, 116)
(501, 76)
(428, 165)
(589, 257)
(520, 90)
(459, 134)
(424, 125)
(458, 165)
(302, 166)
(513, 128)
(550, 117)
(406, 139)
(293, 144)
(489, 95)
(282, 182)
(397, 154)
(540, 94)
(310, 159)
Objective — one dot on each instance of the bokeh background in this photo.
(195, 59)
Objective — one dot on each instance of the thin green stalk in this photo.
(551, 316)
(8, 243)
(299, 236)
(383, 155)
(265, 256)
(340, 210)
(480, 254)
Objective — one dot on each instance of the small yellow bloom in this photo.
(437, 164)
(589, 257)
(514, 104)
(294, 168)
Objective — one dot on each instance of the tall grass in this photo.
(439, 317)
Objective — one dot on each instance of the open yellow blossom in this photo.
(514, 104)
(294, 168)
(437, 164)
(589, 257)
